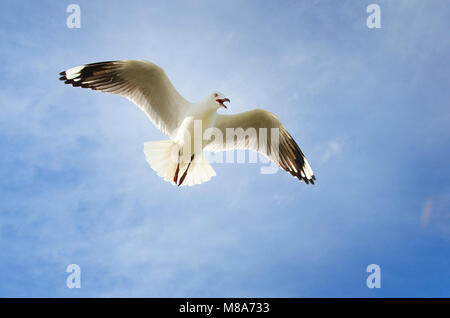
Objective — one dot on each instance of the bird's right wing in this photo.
(258, 125)
(142, 82)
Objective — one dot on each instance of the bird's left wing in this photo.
(142, 82)
(284, 151)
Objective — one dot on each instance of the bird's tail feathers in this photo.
(163, 157)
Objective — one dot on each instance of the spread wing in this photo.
(142, 82)
(284, 151)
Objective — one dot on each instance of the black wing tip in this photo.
(298, 175)
(86, 72)
(310, 179)
(293, 160)
(301, 173)
(74, 83)
(306, 180)
(64, 78)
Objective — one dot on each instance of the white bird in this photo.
(148, 86)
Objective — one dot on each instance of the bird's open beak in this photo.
(221, 101)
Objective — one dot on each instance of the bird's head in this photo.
(219, 100)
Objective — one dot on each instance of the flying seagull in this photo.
(178, 160)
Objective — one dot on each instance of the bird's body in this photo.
(201, 112)
(180, 159)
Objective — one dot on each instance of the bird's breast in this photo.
(192, 129)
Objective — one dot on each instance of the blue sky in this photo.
(369, 108)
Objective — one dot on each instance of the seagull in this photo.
(179, 160)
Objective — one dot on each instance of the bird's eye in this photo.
(215, 94)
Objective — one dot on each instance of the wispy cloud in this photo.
(332, 148)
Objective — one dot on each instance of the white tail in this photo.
(162, 156)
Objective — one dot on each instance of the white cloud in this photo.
(331, 149)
